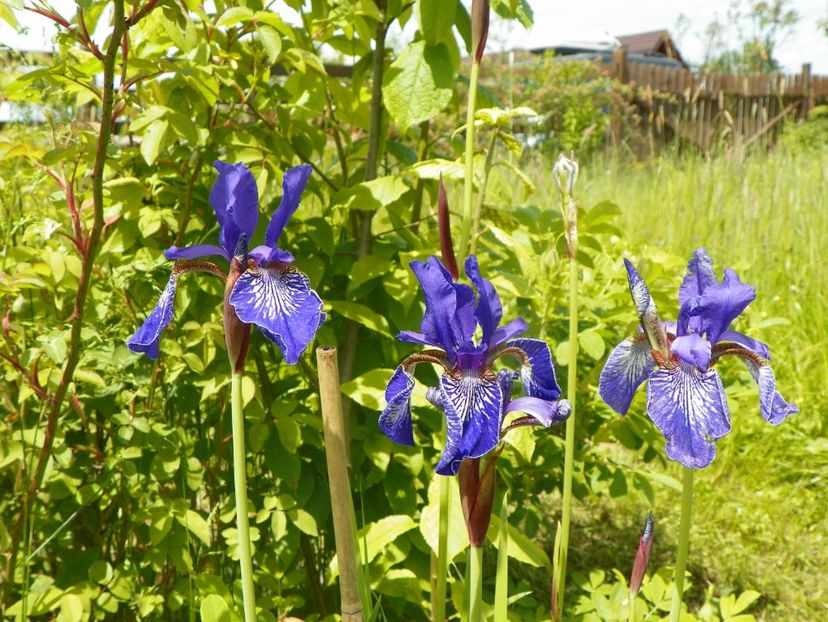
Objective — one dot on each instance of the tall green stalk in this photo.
(439, 609)
(240, 485)
(468, 186)
(684, 542)
(565, 174)
(475, 583)
(501, 604)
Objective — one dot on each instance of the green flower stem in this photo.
(475, 584)
(684, 542)
(439, 609)
(632, 608)
(240, 485)
(468, 186)
(502, 576)
(571, 391)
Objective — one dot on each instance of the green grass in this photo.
(759, 520)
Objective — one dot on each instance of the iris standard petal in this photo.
(449, 319)
(628, 365)
(752, 345)
(720, 304)
(235, 199)
(280, 301)
(146, 339)
(488, 311)
(646, 308)
(195, 252)
(689, 407)
(512, 329)
(773, 406)
(293, 184)
(264, 255)
(545, 412)
(473, 405)
(700, 276)
(537, 370)
(693, 350)
(395, 419)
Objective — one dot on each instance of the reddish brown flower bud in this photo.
(642, 556)
(480, 27)
(444, 226)
(236, 332)
(477, 496)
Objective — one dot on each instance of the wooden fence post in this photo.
(619, 71)
(807, 91)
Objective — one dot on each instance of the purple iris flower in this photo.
(474, 397)
(263, 287)
(685, 397)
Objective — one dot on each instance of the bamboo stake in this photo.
(342, 508)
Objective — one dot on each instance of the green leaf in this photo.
(290, 434)
(372, 195)
(458, 537)
(54, 345)
(592, 343)
(521, 548)
(418, 85)
(304, 522)
(234, 15)
(436, 18)
(362, 315)
(215, 609)
(367, 268)
(195, 523)
(271, 42)
(153, 140)
(381, 533)
(369, 389)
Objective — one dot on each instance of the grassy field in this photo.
(759, 520)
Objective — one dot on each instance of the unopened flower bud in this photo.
(477, 496)
(642, 556)
(236, 332)
(565, 174)
(480, 27)
(444, 226)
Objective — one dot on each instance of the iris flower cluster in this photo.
(263, 288)
(685, 396)
(473, 395)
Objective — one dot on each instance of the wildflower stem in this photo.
(468, 186)
(240, 485)
(502, 576)
(569, 453)
(632, 608)
(475, 583)
(684, 543)
(439, 609)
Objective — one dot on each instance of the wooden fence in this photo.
(713, 109)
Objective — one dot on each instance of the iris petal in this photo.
(773, 406)
(720, 304)
(689, 407)
(473, 404)
(628, 365)
(235, 199)
(293, 184)
(753, 345)
(489, 311)
(194, 252)
(537, 373)
(146, 339)
(512, 329)
(264, 255)
(280, 301)
(448, 320)
(395, 419)
(646, 308)
(700, 276)
(693, 350)
(545, 412)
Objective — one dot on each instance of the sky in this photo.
(582, 20)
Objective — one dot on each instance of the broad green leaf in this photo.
(71, 608)
(195, 523)
(521, 548)
(592, 343)
(367, 268)
(54, 345)
(436, 19)
(304, 521)
(369, 389)
(215, 609)
(381, 533)
(290, 434)
(438, 167)
(372, 195)
(153, 140)
(271, 42)
(362, 315)
(458, 537)
(235, 15)
(418, 85)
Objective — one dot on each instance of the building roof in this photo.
(656, 42)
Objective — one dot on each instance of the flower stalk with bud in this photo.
(565, 174)
(642, 557)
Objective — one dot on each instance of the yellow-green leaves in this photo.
(418, 85)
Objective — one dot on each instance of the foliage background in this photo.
(134, 517)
